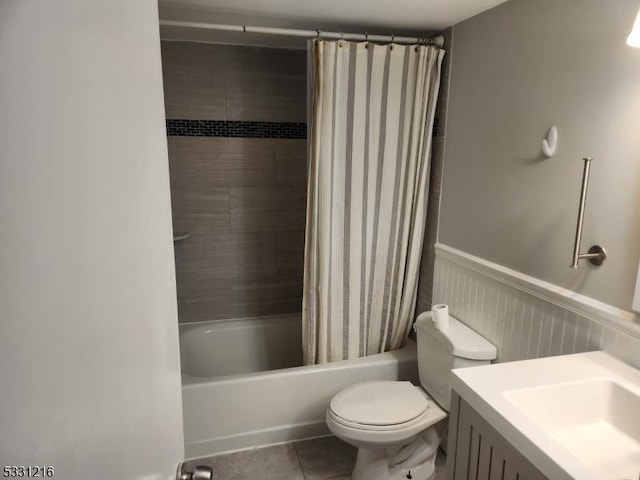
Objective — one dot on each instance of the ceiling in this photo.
(399, 17)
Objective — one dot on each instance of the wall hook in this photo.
(550, 142)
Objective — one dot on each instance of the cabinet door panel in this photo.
(496, 468)
(478, 452)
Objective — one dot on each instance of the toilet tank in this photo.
(441, 351)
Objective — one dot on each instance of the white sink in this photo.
(597, 421)
(575, 417)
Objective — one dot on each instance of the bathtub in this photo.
(233, 397)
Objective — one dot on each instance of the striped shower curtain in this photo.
(372, 122)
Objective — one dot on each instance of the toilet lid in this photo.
(379, 403)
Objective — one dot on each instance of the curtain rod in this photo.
(437, 41)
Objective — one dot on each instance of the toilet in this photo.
(396, 426)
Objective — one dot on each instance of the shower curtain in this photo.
(373, 109)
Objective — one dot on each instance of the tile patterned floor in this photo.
(326, 458)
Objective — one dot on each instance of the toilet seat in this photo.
(380, 405)
(377, 428)
(367, 435)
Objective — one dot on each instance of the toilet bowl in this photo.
(396, 426)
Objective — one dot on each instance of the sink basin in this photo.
(596, 420)
(574, 417)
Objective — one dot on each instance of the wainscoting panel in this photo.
(524, 324)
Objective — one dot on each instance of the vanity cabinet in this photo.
(476, 451)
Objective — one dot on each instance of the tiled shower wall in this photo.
(522, 325)
(241, 199)
(228, 82)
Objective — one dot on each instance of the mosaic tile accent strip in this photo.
(224, 128)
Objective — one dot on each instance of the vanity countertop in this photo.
(573, 416)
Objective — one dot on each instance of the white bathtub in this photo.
(244, 345)
(233, 399)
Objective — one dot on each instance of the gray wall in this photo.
(89, 361)
(517, 70)
(241, 199)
